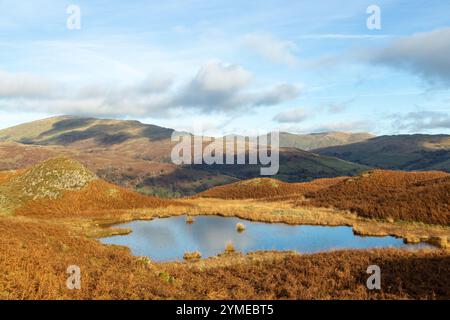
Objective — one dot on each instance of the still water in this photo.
(169, 238)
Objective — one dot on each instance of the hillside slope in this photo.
(267, 189)
(295, 166)
(64, 187)
(320, 140)
(384, 194)
(137, 155)
(402, 152)
(67, 130)
(35, 255)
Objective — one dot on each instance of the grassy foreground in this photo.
(35, 256)
(51, 215)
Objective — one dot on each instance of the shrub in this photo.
(192, 255)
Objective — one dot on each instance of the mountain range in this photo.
(400, 152)
(137, 155)
(321, 140)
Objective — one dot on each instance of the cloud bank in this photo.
(425, 54)
(423, 121)
(216, 88)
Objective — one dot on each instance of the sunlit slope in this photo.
(294, 166)
(67, 130)
(321, 140)
(64, 187)
(267, 189)
(396, 195)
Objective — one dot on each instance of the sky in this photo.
(228, 66)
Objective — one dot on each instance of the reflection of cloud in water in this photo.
(155, 235)
(212, 233)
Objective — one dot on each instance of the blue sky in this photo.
(298, 66)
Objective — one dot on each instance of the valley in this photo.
(58, 207)
(177, 152)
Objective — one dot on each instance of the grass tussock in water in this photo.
(229, 247)
(190, 220)
(240, 227)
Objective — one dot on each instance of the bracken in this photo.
(393, 195)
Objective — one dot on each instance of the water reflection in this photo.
(168, 238)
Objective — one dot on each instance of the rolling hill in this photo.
(70, 130)
(385, 194)
(64, 187)
(295, 166)
(137, 155)
(422, 196)
(402, 152)
(268, 189)
(320, 140)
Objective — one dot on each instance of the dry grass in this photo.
(6, 176)
(192, 255)
(190, 220)
(331, 275)
(267, 189)
(99, 198)
(49, 233)
(62, 187)
(286, 212)
(381, 194)
(229, 247)
(391, 195)
(36, 254)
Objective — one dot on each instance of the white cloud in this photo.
(425, 54)
(345, 126)
(272, 48)
(220, 77)
(332, 126)
(226, 88)
(422, 120)
(216, 88)
(292, 115)
(158, 83)
(23, 85)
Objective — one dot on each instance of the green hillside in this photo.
(402, 152)
(320, 140)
